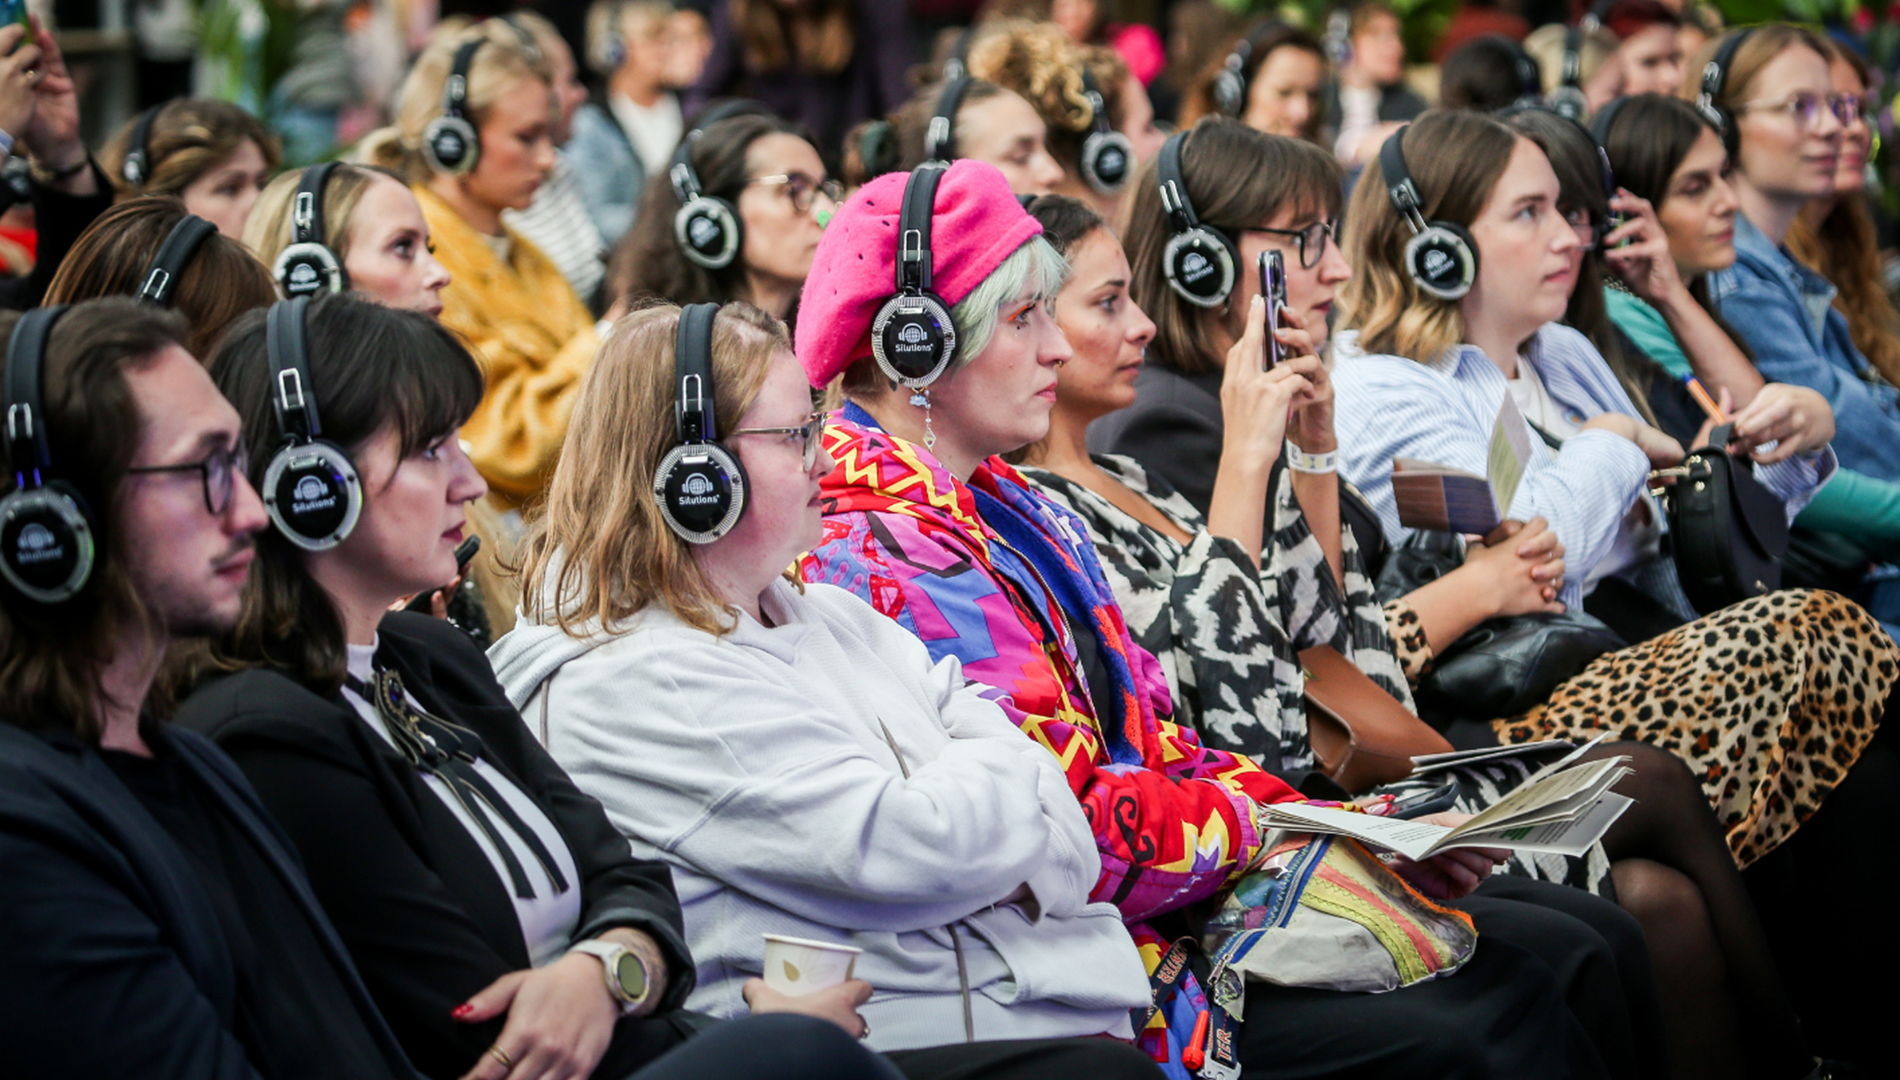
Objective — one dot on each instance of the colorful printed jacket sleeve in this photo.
(1171, 830)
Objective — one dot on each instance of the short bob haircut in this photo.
(1035, 265)
(52, 658)
(599, 553)
(188, 137)
(1238, 179)
(373, 369)
(269, 230)
(1455, 158)
(222, 281)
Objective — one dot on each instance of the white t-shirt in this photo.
(548, 920)
(1639, 539)
(654, 130)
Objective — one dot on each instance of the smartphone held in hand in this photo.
(1273, 290)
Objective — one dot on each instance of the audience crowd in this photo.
(900, 523)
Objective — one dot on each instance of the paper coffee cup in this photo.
(799, 966)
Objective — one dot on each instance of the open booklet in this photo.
(1563, 809)
(1441, 498)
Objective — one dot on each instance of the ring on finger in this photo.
(866, 1033)
(495, 1051)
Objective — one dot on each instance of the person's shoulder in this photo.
(260, 701)
(412, 632)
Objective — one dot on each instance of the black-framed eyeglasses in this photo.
(1310, 242)
(802, 189)
(219, 471)
(806, 434)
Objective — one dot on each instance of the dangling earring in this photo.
(921, 399)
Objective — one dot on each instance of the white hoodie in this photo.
(756, 765)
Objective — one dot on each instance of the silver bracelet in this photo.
(1300, 461)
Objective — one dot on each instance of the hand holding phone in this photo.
(1273, 290)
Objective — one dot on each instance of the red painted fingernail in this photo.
(461, 1011)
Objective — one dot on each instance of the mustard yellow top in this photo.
(533, 338)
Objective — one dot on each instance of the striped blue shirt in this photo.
(1389, 407)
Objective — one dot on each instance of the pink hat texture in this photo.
(977, 223)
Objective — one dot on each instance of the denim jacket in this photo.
(1786, 312)
(612, 177)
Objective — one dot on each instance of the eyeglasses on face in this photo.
(806, 435)
(802, 189)
(1309, 242)
(1806, 108)
(219, 471)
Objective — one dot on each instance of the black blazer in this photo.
(419, 904)
(112, 962)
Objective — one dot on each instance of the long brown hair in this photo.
(52, 657)
(1237, 179)
(598, 553)
(1455, 158)
(1836, 239)
(819, 36)
(222, 281)
(372, 369)
(188, 137)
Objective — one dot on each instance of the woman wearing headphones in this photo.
(975, 119)
(1273, 80)
(1665, 152)
(497, 918)
(1785, 123)
(369, 223)
(472, 147)
(211, 154)
(208, 277)
(937, 533)
(744, 224)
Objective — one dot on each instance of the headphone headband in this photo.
(26, 410)
(693, 418)
(306, 211)
(1098, 105)
(1398, 180)
(137, 167)
(940, 138)
(685, 178)
(172, 256)
(957, 64)
(293, 397)
(455, 90)
(913, 228)
(1174, 196)
(1715, 78)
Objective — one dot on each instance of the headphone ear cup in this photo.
(309, 270)
(450, 145)
(1442, 260)
(1568, 102)
(708, 232)
(913, 339)
(1201, 265)
(1230, 91)
(47, 542)
(701, 490)
(1108, 160)
(312, 494)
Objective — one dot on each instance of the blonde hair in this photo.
(1468, 153)
(502, 60)
(1040, 62)
(269, 230)
(1546, 46)
(188, 138)
(608, 23)
(599, 553)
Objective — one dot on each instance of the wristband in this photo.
(65, 172)
(1300, 461)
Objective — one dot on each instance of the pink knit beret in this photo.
(976, 225)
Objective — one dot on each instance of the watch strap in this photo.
(609, 954)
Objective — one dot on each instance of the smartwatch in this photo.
(626, 973)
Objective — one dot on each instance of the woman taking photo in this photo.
(765, 195)
(1664, 152)
(211, 154)
(860, 793)
(481, 895)
(1786, 125)
(210, 284)
(1046, 637)
(468, 157)
(984, 123)
(372, 226)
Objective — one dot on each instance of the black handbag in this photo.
(1729, 533)
(1502, 666)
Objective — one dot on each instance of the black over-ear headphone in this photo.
(1605, 119)
(183, 242)
(706, 227)
(308, 266)
(1441, 258)
(1108, 158)
(137, 167)
(450, 143)
(1568, 99)
(1200, 263)
(940, 138)
(700, 486)
(311, 490)
(1714, 78)
(46, 529)
(957, 64)
(913, 338)
(1231, 81)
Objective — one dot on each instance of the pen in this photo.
(1703, 399)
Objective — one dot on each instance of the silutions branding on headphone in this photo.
(698, 490)
(310, 493)
(1112, 165)
(42, 550)
(1194, 267)
(704, 233)
(303, 278)
(36, 544)
(1438, 265)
